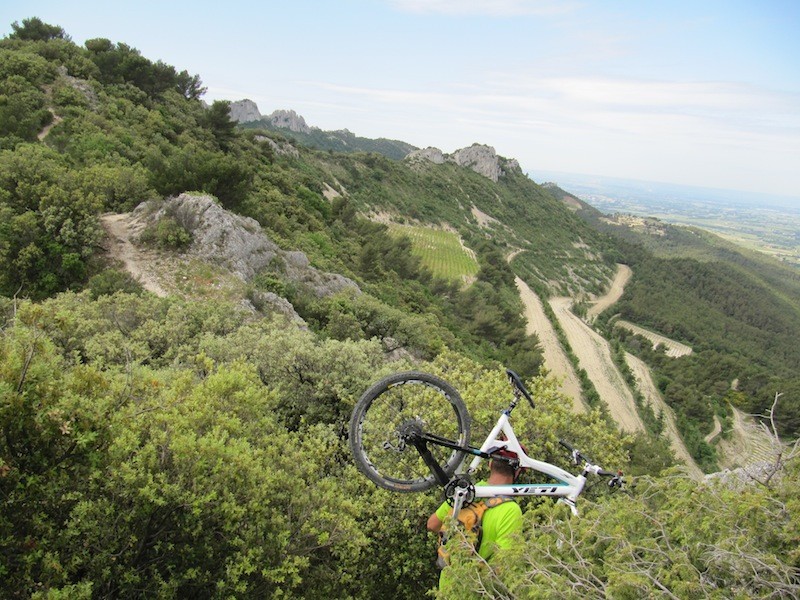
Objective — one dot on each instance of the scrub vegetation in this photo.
(186, 447)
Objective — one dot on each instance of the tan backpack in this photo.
(470, 519)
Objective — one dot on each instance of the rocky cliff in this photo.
(480, 158)
(244, 111)
(288, 119)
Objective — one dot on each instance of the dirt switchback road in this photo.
(614, 293)
(554, 357)
(651, 394)
(594, 355)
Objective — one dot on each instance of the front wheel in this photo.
(388, 410)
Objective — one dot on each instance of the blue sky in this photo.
(699, 93)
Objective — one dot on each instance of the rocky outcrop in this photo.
(282, 148)
(81, 86)
(480, 158)
(244, 111)
(288, 119)
(239, 244)
(271, 303)
(430, 154)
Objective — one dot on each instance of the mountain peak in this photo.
(246, 111)
(288, 119)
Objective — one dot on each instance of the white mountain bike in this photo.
(410, 432)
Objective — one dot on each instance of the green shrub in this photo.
(167, 233)
(113, 280)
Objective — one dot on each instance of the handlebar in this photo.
(589, 466)
(519, 387)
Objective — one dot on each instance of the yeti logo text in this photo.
(535, 490)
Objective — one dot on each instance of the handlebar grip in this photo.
(566, 445)
(516, 380)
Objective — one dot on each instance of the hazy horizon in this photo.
(704, 94)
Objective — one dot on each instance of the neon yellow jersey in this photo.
(499, 523)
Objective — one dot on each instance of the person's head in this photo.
(504, 468)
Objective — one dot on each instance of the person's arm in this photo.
(434, 523)
(436, 520)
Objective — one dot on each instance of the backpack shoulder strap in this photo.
(496, 501)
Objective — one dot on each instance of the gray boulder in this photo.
(239, 244)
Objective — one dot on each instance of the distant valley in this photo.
(756, 221)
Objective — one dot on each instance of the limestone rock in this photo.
(239, 244)
(431, 154)
(244, 111)
(80, 85)
(288, 119)
(282, 148)
(481, 159)
(269, 302)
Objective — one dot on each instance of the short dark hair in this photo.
(502, 467)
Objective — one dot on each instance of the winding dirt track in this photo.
(554, 357)
(594, 355)
(747, 444)
(614, 293)
(651, 394)
(673, 349)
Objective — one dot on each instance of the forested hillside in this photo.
(195, 446)
(738, 310)
(338, 141)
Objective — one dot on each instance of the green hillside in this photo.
(440, 251)
(195, 446)
(738, 309)
(338, 141)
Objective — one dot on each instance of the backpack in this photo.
(470, 519)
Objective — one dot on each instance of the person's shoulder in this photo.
(509, 505)
(507, 508)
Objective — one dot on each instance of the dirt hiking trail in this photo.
(554, 357)
(614, 293)
(748, 443)
(121, 229)
(594, 356)
(672, 348)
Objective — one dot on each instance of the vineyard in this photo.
(441, 251)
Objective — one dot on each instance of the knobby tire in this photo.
(390, 407)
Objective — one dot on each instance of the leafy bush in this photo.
(166, 233)
(111, 281)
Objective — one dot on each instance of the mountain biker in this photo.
(499, 522)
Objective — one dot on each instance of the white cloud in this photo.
(643, 113)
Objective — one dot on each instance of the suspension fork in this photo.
(422, 447)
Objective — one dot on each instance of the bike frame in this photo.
(568, 488)
(502, 436)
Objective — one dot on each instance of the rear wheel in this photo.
(395, 408)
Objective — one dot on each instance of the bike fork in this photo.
(430, 461)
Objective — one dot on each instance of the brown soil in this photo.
(594, 356)
(614, 293)
(554, 357)
(139, 263)
(672, 348)
(651, 394)
(748, 443)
